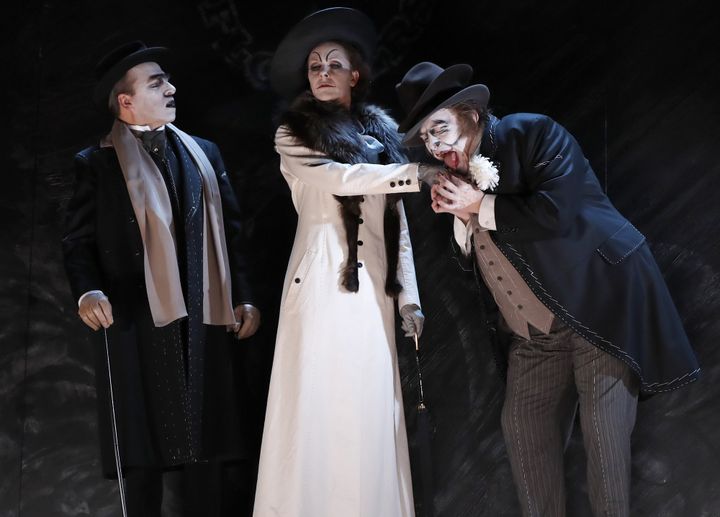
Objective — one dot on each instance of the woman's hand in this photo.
(412, 319)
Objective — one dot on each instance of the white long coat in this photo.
(334, 443)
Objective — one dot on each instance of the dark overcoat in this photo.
(579, 255)
(176, 395)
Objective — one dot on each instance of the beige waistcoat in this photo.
(517, 303)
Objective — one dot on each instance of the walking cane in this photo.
(113, 421)
(421, 401)
(424, 442)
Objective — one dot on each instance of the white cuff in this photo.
(486, 214)
(88, 293)
(462, 235)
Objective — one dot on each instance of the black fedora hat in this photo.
(426, 87)
(287, 69)
(112, 67)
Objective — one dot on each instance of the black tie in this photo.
(153, 141)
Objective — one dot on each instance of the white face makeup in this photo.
(330, 73)
(152, 103)
(445, 139)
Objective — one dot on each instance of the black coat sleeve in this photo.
(79, 239)
(237, 242)
(548, 170)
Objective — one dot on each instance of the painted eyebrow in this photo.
(327, 56)
(435, 122)
(155, 77)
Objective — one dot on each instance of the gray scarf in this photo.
(153, 212)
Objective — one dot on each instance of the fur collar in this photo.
(330, 128)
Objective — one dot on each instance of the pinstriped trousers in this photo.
(550, 377)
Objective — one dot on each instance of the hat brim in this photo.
(453, 76)
(287, 69)
(476, 92)
(105, 85)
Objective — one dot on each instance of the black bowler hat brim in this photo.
(288, 75)
(117, 70)
(451, 78)
(476, 92)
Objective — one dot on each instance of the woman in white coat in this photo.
(334, 441)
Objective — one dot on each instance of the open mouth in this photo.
(170, 104)
(450, 158)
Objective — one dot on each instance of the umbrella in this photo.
(113, 425)
(423, 435)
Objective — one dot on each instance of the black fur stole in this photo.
(333, 130)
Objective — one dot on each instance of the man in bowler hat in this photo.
(154, 256)
(581, 317)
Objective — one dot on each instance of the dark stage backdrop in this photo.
(637, 85)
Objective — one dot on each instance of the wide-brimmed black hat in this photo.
(427, 87)
(112, 67)
(288, 67)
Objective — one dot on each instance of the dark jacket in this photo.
(580, 256)
(103, 248)
(179, 377)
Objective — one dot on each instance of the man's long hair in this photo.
(465, 110)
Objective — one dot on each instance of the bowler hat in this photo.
(287, 69)
(112, 67)
(426, 88)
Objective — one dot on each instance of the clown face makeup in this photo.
(330, 73)
(447, 140)
(152, 102)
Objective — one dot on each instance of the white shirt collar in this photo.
(144, 128)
